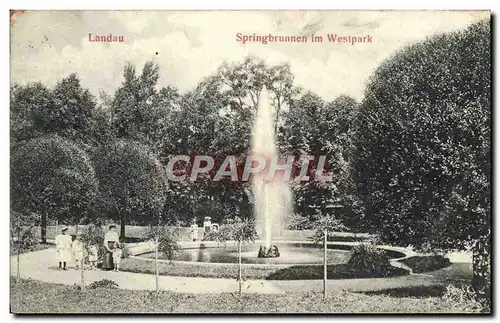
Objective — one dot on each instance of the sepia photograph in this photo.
(250, 162)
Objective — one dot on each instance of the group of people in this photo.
(74, 250)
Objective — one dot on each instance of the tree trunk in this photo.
(122, 228)
(76, 228)
(481, 268)
(325, 273)
(43, 228)
(82, 277)
(18, 277)
(157, 273)
(240, 282)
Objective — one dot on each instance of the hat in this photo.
(64, 228)
(112, 226)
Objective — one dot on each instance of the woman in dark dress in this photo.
(110, 238)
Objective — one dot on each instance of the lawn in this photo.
(35, 297)
(38, 247)
(192, 270)
(339, 271)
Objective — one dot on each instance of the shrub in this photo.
(369, 260)
(167, 240)
(426, 263)
(463, 298)
(339, 271)
(103, 283)
(420, 291)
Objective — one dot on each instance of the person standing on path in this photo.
(194, 231)
(78, 251)
(63, 248)
(110, 238)
(93, 255)
(117, 255)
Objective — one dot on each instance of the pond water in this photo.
(289, 254)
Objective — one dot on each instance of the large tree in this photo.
(142, 112)
(316, 128)
(25, 100)
(54, 178)
(422, 159)
(132, 183)
(66, 110)
(70, 116)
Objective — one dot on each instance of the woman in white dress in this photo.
(110, 238)
(63, 248)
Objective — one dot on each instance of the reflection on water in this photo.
(290, 254)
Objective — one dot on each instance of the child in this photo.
(78, 251)
(63, 247)
(117, 255)
(93, 257)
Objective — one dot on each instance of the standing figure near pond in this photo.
(110, 239)
(93, 256)
(63, 248)
(194, 231)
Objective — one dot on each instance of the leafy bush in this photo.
(167, 240)
(369, 260)
(93, 235)
(462, 297)
(103, 283)
(339, 271)
(411, 291)
(22, 233)
(422, 264)
(23, 240)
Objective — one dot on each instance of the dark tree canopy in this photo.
(422, 159)
(54, 178)
(132, 183)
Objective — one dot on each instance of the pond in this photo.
(291, 253)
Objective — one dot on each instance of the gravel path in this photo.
(42, 266)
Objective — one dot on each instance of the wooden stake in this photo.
(239, 268)
(325, 274)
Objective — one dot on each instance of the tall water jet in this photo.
(272, 196)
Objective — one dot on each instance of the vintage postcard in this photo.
(250, 161)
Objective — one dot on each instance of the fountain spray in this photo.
(272, 197)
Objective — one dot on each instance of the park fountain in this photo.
(272, 196)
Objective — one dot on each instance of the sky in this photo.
(189, 45)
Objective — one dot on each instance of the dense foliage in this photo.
(422, 145)
(53, 178)
(167, 240)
